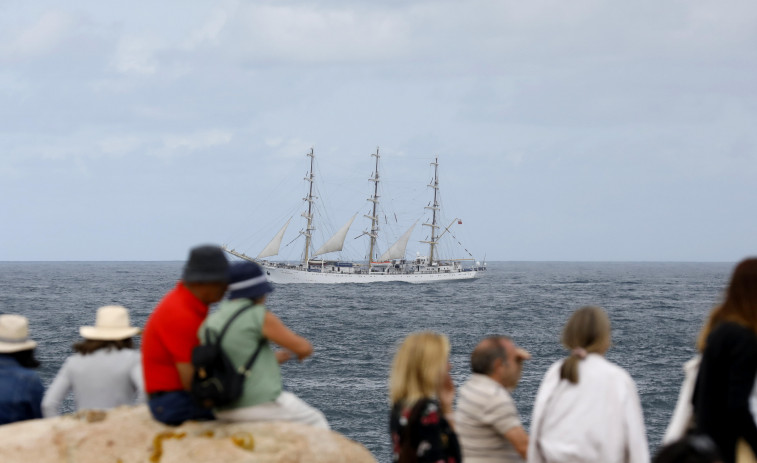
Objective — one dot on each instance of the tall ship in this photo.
(391, 265)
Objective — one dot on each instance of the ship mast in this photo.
(374, 217)
(309, 214)
(434, 207)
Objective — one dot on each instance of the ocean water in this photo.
(656, 310)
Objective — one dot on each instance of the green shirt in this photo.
(263, 384)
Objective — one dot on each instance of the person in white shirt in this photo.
(587, 409)
(488, 424)
(106, 370)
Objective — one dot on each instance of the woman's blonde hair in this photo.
(588, 329)
(418, 367)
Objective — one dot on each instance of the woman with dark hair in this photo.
(728, 367)
(587, 409)
(105, 371)
(20, 387)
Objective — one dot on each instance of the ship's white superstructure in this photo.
(392, 265)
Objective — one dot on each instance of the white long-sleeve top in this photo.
(597, 420)
(103, 379)
(684, 411)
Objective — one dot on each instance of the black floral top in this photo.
(421, 434)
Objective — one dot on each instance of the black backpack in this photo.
(216, 382)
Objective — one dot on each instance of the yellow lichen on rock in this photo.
(90, 416)
(243, 440)
(157, 443)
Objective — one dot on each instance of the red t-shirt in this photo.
(169, 337)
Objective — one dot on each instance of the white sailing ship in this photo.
(389, 266)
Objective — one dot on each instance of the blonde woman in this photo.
(587, 409)
(421, 393)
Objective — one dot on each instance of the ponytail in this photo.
(569, 369)
(587, 331)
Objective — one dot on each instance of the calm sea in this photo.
(656, 311)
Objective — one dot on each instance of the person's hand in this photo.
(447, 394)
(521, 355)
(304, 355)
(283, 356)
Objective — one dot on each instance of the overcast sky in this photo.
(565, 130)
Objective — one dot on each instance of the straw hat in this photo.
(14, 334)
(111, 324)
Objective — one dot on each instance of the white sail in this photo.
(336, 242)
(397, 250)
(273, 247)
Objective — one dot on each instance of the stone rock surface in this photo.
(130, 435)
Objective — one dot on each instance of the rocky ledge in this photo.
(130, 435)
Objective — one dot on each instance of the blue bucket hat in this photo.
(247, 279)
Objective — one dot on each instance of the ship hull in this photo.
(287, 275)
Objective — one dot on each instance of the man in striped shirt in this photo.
(486, 420)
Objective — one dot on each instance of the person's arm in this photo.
(546, 389)
(275, 330)
(637, 450)
(742, 373)
(36, 391)
(179, 337)
(500, 413)
(446, 399)
(186, 371)
(137, 380)
(519, 438)
(58, 390)
(683, 414)
(283, 355)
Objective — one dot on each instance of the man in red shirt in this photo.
(171, 333)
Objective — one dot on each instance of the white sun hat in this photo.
(14, 334)
(111, 324)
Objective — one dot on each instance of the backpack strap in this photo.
(226, 326)
(248, 366)
(242, 370)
